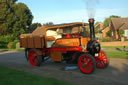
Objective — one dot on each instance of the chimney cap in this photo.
(91, 20)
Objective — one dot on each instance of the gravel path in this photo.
(115, 74)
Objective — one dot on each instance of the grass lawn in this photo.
(14, 77)
(3, 49)
(117, 54)
(6, 49)
(114, 47)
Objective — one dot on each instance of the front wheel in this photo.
(87, 63)
(34, 58)
(102, 60)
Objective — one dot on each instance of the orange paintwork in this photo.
(50, 38)
(56, 55)
(67, 42)
(84, 41)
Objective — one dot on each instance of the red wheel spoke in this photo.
(100, 54)
(84, 59)
(87, 68)
(33, 58)
(82, 65)
(88, 60)
(102, 61)
(90, 64)
(86, 64)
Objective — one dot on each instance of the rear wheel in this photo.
(26, 53)
(86, 63)
(34, 58)
(101, 60)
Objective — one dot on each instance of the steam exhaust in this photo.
(91, 7)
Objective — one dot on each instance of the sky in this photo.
(67, 11)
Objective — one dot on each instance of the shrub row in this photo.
(8, 41)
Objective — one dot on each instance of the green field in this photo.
(14, 77)
(117, 54)
(113, 53)
(114, 47)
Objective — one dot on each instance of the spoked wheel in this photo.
(86, 63)
(101, 60)
(34, 58)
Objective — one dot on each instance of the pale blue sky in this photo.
(67, 11)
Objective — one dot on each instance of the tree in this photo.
(107, 20)
(33, 27)
(97, 29)
(49, 24)
(16, 18)
(23, 18)
(109, 33)
(87, 28)
(97, 23)
(121, 32)
(3, 13)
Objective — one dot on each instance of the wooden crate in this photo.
(38, 42)
(23, 43)
(31, 41)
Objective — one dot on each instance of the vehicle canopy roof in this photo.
(40, 31)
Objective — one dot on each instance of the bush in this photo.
(18, 46)
(3, 44)
(7, 38)
(104, 40)
(12, 45)
(108, 39)
(4, 40)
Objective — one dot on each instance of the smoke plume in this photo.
(91, 7)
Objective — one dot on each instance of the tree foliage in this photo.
(49, 24)
(121, 32)
(33, 27)
(97, 23)
(15, 17)
(107, 20)
(109, 33)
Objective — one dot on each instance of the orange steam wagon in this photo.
(66, 42)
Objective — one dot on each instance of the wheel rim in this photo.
(101, 60)
(33, 59)
(86, 64)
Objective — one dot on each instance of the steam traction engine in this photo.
(66, 42)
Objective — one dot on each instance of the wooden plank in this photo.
(30, 42)
(38, 42)
(56, 56)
